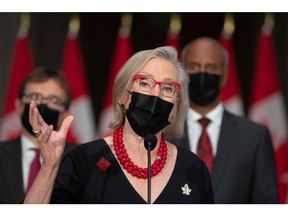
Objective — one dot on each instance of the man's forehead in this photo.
(204, 57)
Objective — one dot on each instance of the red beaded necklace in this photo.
(128, 165)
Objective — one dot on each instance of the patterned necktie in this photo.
(204, 148)
(34, 168)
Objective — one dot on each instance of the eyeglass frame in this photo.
(178, 86)
(49, 100)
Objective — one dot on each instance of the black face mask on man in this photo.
(148, 114)
(50, 116)
(203, 88)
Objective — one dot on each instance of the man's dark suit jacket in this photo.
(11, 179)
(244, 168)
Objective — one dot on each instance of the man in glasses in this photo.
(19, 159)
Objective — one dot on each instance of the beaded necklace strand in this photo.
(127, 164)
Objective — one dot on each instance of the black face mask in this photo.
(203, 88)
(148, 114)
(50, 116)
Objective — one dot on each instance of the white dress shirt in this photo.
(28, 155)
(213, 128)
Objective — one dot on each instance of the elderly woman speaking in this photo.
(149, 97)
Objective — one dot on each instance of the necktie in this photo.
(204, 148)
(34, 168)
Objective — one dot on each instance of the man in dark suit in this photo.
(48, 88)
(241, 156)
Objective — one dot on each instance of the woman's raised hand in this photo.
(51, 142)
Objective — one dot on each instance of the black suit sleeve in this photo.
(265, 183)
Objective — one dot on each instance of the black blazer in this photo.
(244, 168)
(11, 179)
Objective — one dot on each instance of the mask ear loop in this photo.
(122, 105)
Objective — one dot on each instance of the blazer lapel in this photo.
(225, 147)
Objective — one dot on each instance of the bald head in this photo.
(207, 53)
(205, 60)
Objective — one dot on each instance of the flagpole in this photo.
(229, 26)
(173, 32)
(268, 24)
(126, 20)
(25, 21)
(175, 23)
(74, 24)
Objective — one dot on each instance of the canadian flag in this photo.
(83, 128)
(21, 67)
(230, 93)
(268, 107)
(173, 40)
(123, 52)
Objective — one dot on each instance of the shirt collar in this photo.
(26, 144)
(214, 115)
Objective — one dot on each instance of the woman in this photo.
(149, 96)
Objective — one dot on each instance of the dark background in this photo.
(98, 34)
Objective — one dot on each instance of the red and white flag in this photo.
(230, 93)
(268, 108)
(123, 51)
(21, 66)
(173, 40)
(83, 128)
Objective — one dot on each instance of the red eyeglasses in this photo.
(146, 84)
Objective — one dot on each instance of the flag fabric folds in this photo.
(22, 65)
(268, 108)
(173, 40)
(123, 51)
(230, 93)
(83, 128)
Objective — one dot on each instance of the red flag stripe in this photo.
(83, 128)
(268, 108)
(123, 51)
(230, 93)
(263, 76)
(21, 66)
(173, 40)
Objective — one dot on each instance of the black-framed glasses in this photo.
(167, 88)
(53, 102)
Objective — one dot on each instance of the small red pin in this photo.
(103, 164)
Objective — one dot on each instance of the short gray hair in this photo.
(125, 78)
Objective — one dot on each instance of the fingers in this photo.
(66, 124)
(39, 126)
(37, 123)
(34, 116)
(45, 135)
